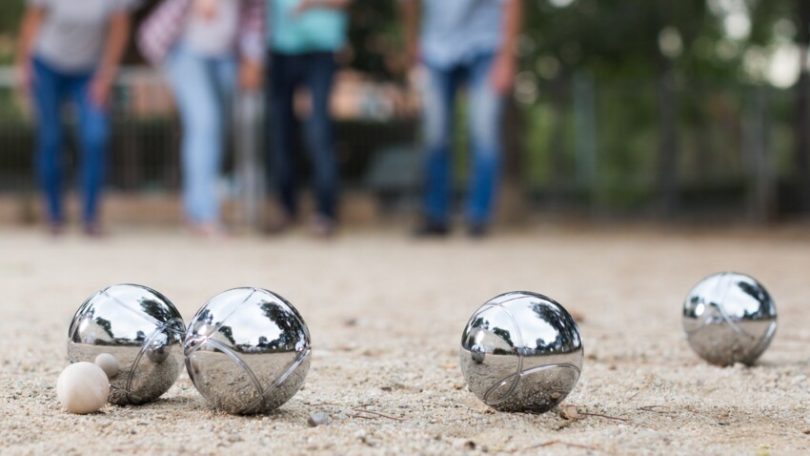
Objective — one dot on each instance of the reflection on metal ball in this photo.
(141, 329)
(521, 351)
(247, 351)
(729, 318)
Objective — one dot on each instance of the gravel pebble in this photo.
(318, 418)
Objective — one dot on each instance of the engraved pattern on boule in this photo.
(247, 351)
(729, 318)
(138, 327)
(521, 351)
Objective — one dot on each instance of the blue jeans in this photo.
(51, 88)
(287, 72)
(203, 87)
(485, 110)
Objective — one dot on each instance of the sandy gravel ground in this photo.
(386, 315)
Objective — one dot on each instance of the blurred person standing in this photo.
(70, 50)
(304, 37)
(204, 46)
(458, 42)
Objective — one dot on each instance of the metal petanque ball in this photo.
(521, 352)
(247, 351)
(141, 329)
(729, 318)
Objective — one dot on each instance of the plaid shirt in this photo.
(164, 26)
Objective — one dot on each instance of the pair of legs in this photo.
(287, 73)
(485, 110)
(203, 87)
(51, 89)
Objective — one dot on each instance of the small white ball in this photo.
(108, 363)
(82, 388)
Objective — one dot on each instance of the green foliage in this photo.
(627, 48)
(375, 39)
(10, 14)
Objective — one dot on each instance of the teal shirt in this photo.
(317, 29)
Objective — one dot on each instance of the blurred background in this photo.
(691, 110)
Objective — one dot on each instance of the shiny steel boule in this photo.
(141, 329)
(521, 352)
(247, 351)
(729, 318)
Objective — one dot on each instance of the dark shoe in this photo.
(428, 229)
(93, 230)
(278, 224)
(56, 229)
(323, 227)
(208, 230)
(478, 230)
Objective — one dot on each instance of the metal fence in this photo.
(620, 146)
(143, 152)
(145, 137)
(573, 143)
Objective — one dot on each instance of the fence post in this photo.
(249, 169)
(559, 104)
(668, 144)
(585, 139)
(756, 141)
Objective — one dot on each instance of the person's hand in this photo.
(503, 73)
(25, 75)
(412, 54)
(99, 89)
(206, 9)
(306, 5)
(250, 75)
(303, 6)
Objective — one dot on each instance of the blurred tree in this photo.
(374, 39)
(10, 13)
(685, 46)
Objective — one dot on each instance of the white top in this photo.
(455, 31)
(73, 33)
(214, 34)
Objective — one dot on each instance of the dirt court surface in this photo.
(386, 315)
